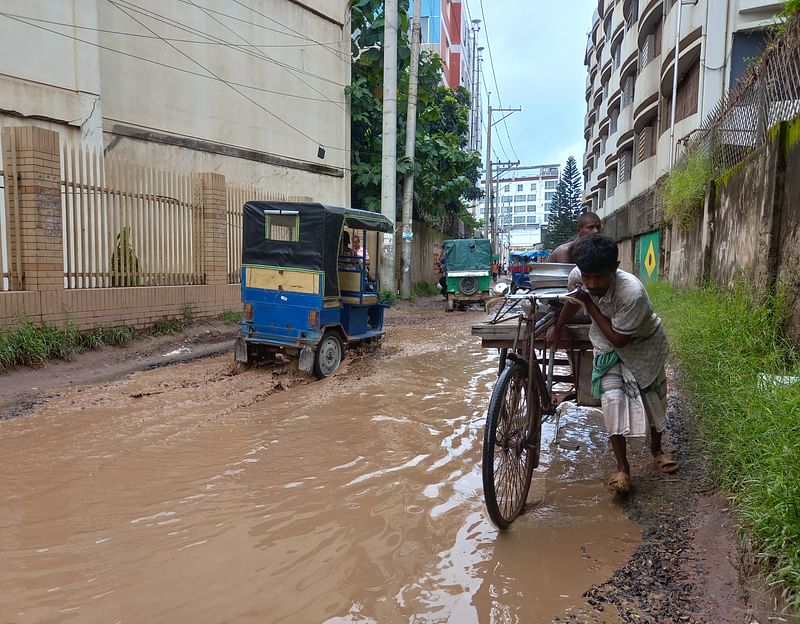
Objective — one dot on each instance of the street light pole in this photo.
(473, 142)
(676, 61)
(388, 279)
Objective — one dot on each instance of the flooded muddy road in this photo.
(191, 493)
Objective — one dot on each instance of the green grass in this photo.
(723, 341)
(27, 344)
(424, 289)
(387, 296)
(175, 324)
(234, 317)
(684, 189)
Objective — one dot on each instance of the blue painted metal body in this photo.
(518, 267)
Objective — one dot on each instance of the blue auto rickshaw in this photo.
(303, 295)
(519, 267)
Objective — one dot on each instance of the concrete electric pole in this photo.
(386, 272)
(490, 229)
(411, 142)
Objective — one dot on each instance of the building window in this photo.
(549, 195)
(616, 53)
(519, 208)
(507, 188)
(645, 145)
(627, 90)
(611, 184)
(531, 208)
(545, 218)
(519, 188)
(519, 220)
(614, 120)
(550, 184)
(532, 219)
(531, 197)
(533, 186)
(519, 198)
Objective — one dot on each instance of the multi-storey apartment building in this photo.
(631, 140)
(522, 205)
(447, 31)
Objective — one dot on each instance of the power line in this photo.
(142, 36)
(166, 65)
(333, 50)
(494, 75)
(244, 95)
(186, 28)
(260, 53)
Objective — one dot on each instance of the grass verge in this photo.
(32, 345)
(728, 347)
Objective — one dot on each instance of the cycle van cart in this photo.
(301, 296)
(533, 380)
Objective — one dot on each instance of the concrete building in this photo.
(252, 90)
(522, 205)
(630, 140)
(448, 31)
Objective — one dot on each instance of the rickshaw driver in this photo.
(630, 352)
(588, 224)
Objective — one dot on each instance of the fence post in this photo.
(33, 200)
(209, 192)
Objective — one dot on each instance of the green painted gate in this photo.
(647, 251)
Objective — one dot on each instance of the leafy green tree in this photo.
(446, 173)
(565, 207)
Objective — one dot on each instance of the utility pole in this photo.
(502, 167)
(478, 116)
(475, 90)
(411, 142)
(386, 271)
(487, 208)
(489, 187)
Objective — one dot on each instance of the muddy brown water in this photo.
(356, 499)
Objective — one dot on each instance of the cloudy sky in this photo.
(538, 48)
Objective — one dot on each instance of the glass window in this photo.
(533, 186)
(531, 208)
(519, 198)
(519, 220)
(519, 188)
(545, 218)
(551, 184)
(519, 208)
(532, 220)
(549, 195)
(507, 187)
(531, 197)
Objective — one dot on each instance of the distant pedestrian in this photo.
(495, 269)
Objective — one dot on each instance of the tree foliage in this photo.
(565, 207)
(445, 172)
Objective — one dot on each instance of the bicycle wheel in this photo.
(508, 460)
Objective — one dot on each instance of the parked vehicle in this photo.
(468, 274)
(304, 294)
(520, 267)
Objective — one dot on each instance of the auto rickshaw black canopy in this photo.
(315, 243)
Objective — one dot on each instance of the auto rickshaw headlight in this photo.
(312, 318)
(248, 312)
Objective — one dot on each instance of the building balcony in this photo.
(692, 18)
(648, 85)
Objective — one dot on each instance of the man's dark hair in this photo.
(585, 217)
(596, 254)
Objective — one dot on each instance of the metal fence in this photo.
(768, 94)
(127, 225)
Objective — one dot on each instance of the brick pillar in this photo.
(33, 204)
(209, 192)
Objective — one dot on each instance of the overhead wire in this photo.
(173, 39)
(186, 28)
(231, 86)
(264, 54)
(494, 75)
(22, 20)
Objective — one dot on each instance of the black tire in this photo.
(328, 355)
(508, 459)
(468, 285)
(503, 359)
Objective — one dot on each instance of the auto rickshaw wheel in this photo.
(468, 285)
(328, 355)
(508, 459)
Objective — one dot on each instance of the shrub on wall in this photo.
(684, 189)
